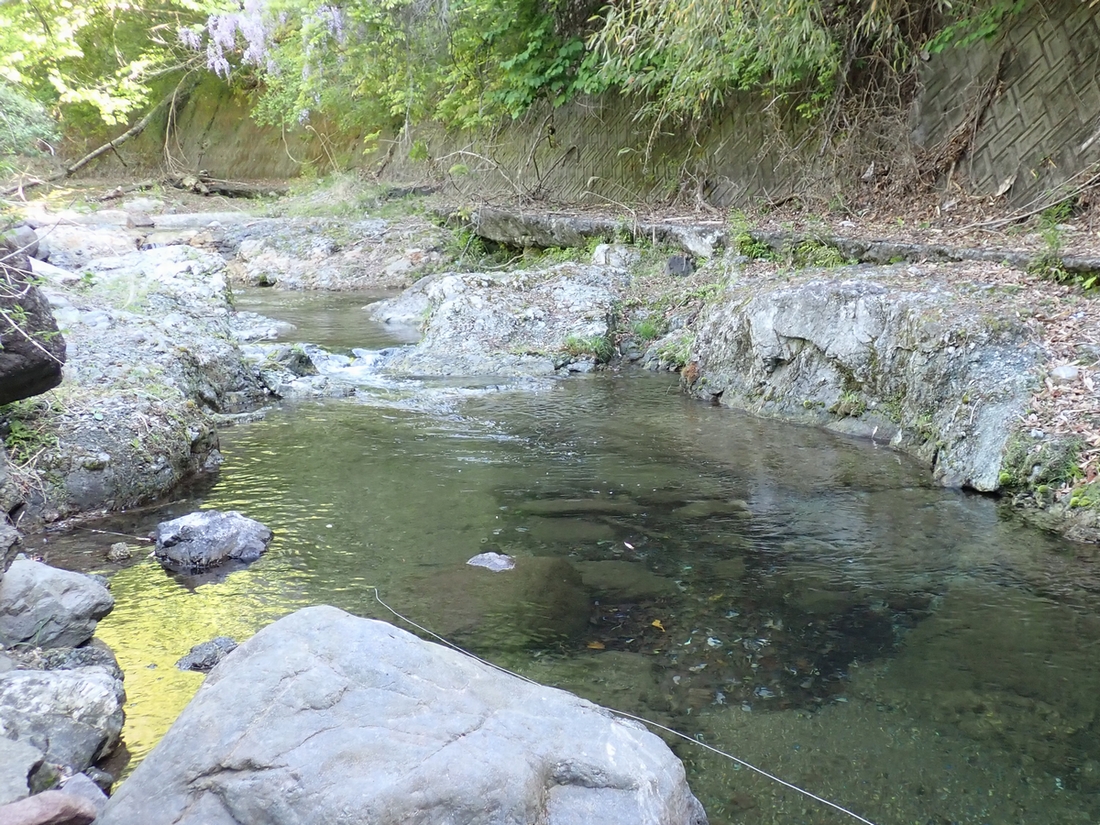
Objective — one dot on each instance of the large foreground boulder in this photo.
(33, 351)
(205, 539)
(323, 717)
(47, 607)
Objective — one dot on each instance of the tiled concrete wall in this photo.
(1039, 128)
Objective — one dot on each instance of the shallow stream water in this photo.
(808, 603)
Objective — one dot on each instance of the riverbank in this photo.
(934, 359)
(1026, 425)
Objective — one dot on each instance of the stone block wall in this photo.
(1041, 129)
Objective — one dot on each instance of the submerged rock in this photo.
(47, 607)
(497, 562)
(541, 601)
(205, 539)
(203, 657)
(324, 717)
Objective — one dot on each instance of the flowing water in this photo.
(808, 603)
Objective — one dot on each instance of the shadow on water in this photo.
(809, 603)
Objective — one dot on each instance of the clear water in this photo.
(806, 602)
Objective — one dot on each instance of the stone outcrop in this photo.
(514, 323)
(151, 358)
(33, 350)
(920, 370)
(324, 717)
(208, 538)
(43, 606)
(68, 713)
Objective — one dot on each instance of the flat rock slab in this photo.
(323, 717)
(49, 808)
(47, 607)
(199, 541)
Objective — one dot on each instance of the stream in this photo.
(808, 603)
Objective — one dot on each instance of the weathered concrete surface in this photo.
(323, 717)
(920, 370)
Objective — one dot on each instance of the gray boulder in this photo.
(18, 762)
(205, 539)
(33, 350)
(323, 717)
(73, 716)
(47, 607)
(82, 785)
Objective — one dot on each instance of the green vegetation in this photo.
(26, 428)
(599, 347)
(96, 61)
(26, 128)
(850, 404)
(649, 328)
(817, 254)
(677, 350)
(379, 66)
(1050, 264)
(1029, 463)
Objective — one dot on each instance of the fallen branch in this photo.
(109, 146)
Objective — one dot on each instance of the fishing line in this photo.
(684, 736)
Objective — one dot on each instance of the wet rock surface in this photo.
(492, 748)
(203, 657)
(33, 350)
(199, 541)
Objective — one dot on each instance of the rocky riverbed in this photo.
(971, 367)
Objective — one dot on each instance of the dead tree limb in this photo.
(109, 146)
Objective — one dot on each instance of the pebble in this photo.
(1066, 374)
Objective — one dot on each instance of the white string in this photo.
(649, 722)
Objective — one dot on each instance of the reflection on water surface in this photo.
(806, 602)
